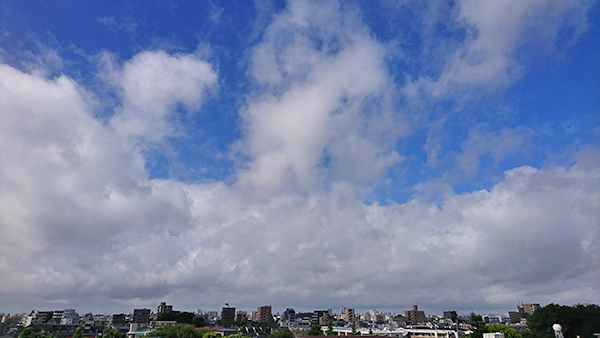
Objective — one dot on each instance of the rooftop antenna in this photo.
(557, 330)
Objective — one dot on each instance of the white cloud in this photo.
(82, 222)
(316, 69)
(153, 85)
(495, 31)
(81, 219)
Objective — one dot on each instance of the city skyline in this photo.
(333, 310)
(371, 154)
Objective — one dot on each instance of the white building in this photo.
(493, 335)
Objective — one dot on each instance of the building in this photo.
(212, 316)
(163, 308)
(491, 319)
(264, 314)
(56, 317)
(88, 318)
(227, 316)
(517, 317)
(319, 317)
(241, 317)
(289, 315)
(522, 313)
(349, 315)
(528, 308)
(415, 316)
(493, 335)
(141, 316)
(29, 318)
(69, 317)
(119, 319)
(396, 332)
(451, 315)
(120, 323)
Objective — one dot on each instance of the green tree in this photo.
(508, 332)
(42, 334)
(477, 326)
(237, 335)
(370, 331)
(210, 335)
(177, 331)
(27, 333)
(30, 333)
(199, 321)
(284, 332)
(315, 330)
(178, 316)
(330, 328)
(78, 333)
(114, 333)
(354, 332)
(578, 320)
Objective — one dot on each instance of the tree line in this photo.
(579, 320)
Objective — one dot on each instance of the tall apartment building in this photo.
(141, 316)
(69, 317)
(528, 308)
(289, 315)
(212, 315)
(319, 317)
(415, 315)
(227, 316)
(349, 315)
(450, 315)
(241, 317)
(264, 314)
(163, 308)
(522, 313)
(119, 320)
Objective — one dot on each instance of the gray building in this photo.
(227, 316)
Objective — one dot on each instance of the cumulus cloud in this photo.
(315, 71)
(75, 189)
(82, 221)
(153, 84)
(80, 216)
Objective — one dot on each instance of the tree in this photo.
(179, 317)
(42, 334)
(237, 335)
(370, 331)
(177, 331)
(284, 332)
(210, 335)
(78, 333)
(315, 330)
(199, 321)
(477, 326)
(330, 328)
(27, 333)
(579, 320)
(508, 332)
(354, 332)
(114, 333)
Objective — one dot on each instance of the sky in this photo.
(305, 154)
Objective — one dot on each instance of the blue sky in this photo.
(307, 154)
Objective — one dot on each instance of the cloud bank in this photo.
(84, 222)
